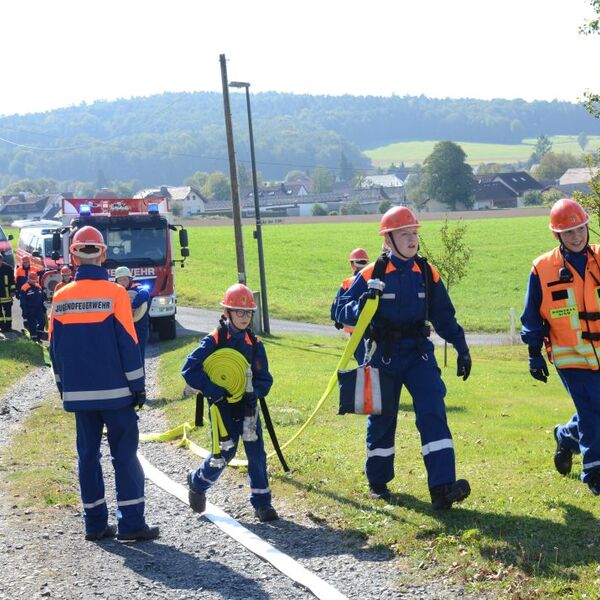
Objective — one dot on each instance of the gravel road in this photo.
(44, 554)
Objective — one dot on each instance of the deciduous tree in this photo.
(446, 177)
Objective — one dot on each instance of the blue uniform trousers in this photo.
(123, 438)
(142, 330)
(568, 435)
(35, 322)
(583, 386)
(206, 476)
(423, 381)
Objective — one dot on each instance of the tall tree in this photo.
(554, 164)
(217, 186)
(543, 145)
(321, 181)
(346, 169)
(446, 177)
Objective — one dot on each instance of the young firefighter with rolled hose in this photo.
(411, 294)
(140, 301)
(233, 413)
(562, 309)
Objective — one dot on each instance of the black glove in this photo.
(338, 325)
(463, 365)
(139, 398)
(537, 365)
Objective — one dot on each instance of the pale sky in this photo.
(57, 53)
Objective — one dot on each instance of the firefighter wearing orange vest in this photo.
(562, 307)
(66, 277)
(22, 273)
(99, 374)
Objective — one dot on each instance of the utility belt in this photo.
(384, 335)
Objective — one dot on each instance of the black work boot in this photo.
(196, 499)
(266, 513)
(563, 457)
(108, 532)
(594, 483)
(380, 491)
(147, 532)
(444, 496)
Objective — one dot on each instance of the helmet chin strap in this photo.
(391, 238)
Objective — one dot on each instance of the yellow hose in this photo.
(227, 368)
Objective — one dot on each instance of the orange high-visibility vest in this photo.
(571, 309)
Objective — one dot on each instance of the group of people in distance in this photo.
(562, 311)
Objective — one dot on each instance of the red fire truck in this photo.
(138, 234)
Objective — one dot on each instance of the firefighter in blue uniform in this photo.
(100, 377)
(411, 293)
(562, 312)
(140, 301)
(239, 305)
(7, 291)
(358, 259)
(32, 298)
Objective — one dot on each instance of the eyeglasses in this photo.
(242, 313)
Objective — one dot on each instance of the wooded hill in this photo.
(166, 138)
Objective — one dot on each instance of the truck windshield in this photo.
(135, 245)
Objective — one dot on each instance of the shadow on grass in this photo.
(179, 570)
(20, 349)
(537, 546)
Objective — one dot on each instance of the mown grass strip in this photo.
(525, 531)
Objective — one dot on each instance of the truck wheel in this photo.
(166, 328)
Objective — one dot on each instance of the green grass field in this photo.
(306, 263)
(415, 152)
(525, 531)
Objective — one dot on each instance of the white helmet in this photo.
(122, 272)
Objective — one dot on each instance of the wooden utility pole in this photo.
(235, 194)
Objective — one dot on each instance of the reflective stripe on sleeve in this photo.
(130, 502)
(97, 395)
(381, 452)
(591, 465)
(131, 375)
(94, 504)
(436, 446)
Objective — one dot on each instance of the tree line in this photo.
(168, 137)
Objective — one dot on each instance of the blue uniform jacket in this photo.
(197, 378)
(93, 344)
(403, 303)
(142, 296)
(31, 299)
(533, 327)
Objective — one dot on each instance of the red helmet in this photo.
(238, 296)
(87, 236)
(397, 217)
(66, 270)
(566, 214)
(25, 259)
(33, 276)
(358, 254)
